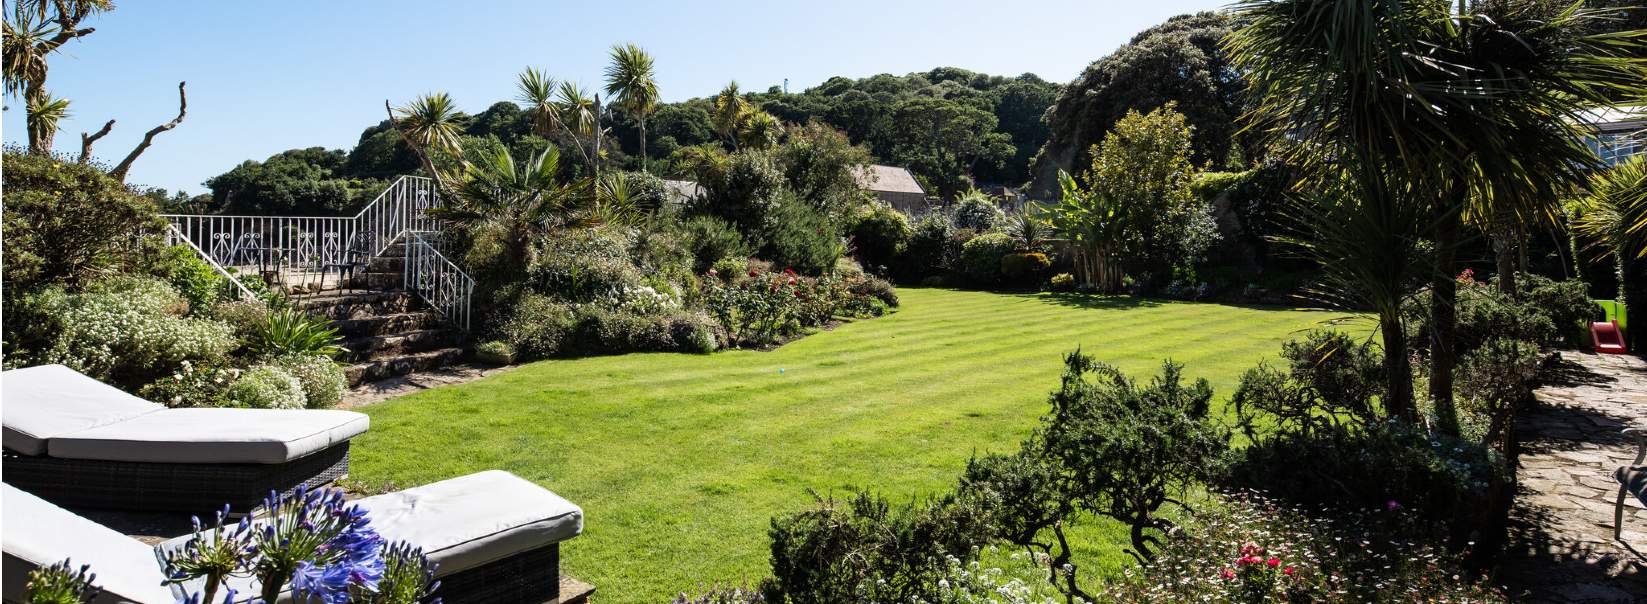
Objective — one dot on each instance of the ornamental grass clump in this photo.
(311, 542)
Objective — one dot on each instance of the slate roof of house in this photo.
(890, 179)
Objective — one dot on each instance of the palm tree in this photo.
(45, 111)
(1466, 112)
(730, 111)
(758, 130)
(517, 202)
(429, 124)
(630, 78)
(537, 93)
(1613, 217)
(33, 30)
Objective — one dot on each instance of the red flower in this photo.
(791, 280)
(712, 272)
(1273, 562)
(797, 293)
(789, 271)
(754, 273)
(1287, 571)
(1229, 574)
(1467, 276)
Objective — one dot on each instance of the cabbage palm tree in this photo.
(1613, 217)
(730, 110)
(429, 124)
(1416, 104)
(537, 94)
(758, 130)
(45, 111)
(33, 30)
(634, 86)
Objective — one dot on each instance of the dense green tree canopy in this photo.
(1180, 61)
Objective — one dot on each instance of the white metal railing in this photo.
(297, 254)
(437, 280)
(239, 291)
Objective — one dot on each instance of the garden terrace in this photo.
(682, 460)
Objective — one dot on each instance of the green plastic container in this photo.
(1615, 312)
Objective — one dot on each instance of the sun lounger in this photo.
(494, 536)
(82, 443)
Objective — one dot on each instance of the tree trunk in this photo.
(643, 144)
(1444, 317)
(1505, 257)
(1398, 375)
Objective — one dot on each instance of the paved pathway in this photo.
(1561, 544)
(382, 390)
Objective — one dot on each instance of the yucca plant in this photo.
(294, 331)
(1029, 229)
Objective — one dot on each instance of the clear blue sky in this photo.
(269, 76)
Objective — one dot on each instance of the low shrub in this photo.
(1493, 380)
(721, 595)
(866, 550)
(1567, 303)
(536, 326)
(67, 222)
(323, 380)
(1062, 282)
(1242, 547)
(875, 288)
(711, 240)
(977, 211)
(1329, 380)
(803, 238)
(982, 258)
(128, 331)
(696, 332)
(245, 316)
(192, 386)
(1024, 268)
(930, 251)
(496, 352)
(879, 235)
(584, 265)
(196, 280)
(266, 387)
(1485, 314)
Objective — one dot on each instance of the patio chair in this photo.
(1632, 480)
(355, 258)
(82, 443)
(493, 536)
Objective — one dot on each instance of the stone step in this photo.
(375, 280)
(386, 324)
(387, 264)
(357, 304)
(371, 348)
(371, 371)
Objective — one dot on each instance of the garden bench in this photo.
(495, 537)
(1632, 480)
(79, 442)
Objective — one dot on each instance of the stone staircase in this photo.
(388, 332)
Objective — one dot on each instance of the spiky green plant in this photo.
(293, 331)
(57, 584)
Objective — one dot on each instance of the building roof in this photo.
(1618, 117)
(887, 179)
(682, 191)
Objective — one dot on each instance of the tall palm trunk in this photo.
(1505, 236)
(1398, 374)
(1444, 314)
(644, 167)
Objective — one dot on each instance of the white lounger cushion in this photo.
(41, 403)
(41, 534)
(266, 436)
(473, 520)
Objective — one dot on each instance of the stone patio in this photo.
(1561, 542)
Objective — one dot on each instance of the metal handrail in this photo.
(243, 292)
(298, 252)
(437, 280)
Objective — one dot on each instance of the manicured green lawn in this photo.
(679, 461)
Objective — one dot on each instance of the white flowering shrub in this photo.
(641, 299)
(192, 386)
(1018, 579)
(322, 378)
(129, 330)
(267, 387)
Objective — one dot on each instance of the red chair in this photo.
(1607, 338)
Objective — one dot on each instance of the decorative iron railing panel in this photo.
(309, 254)
(435, 279)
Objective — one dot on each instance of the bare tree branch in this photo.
(86, 141)
(119, 171)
